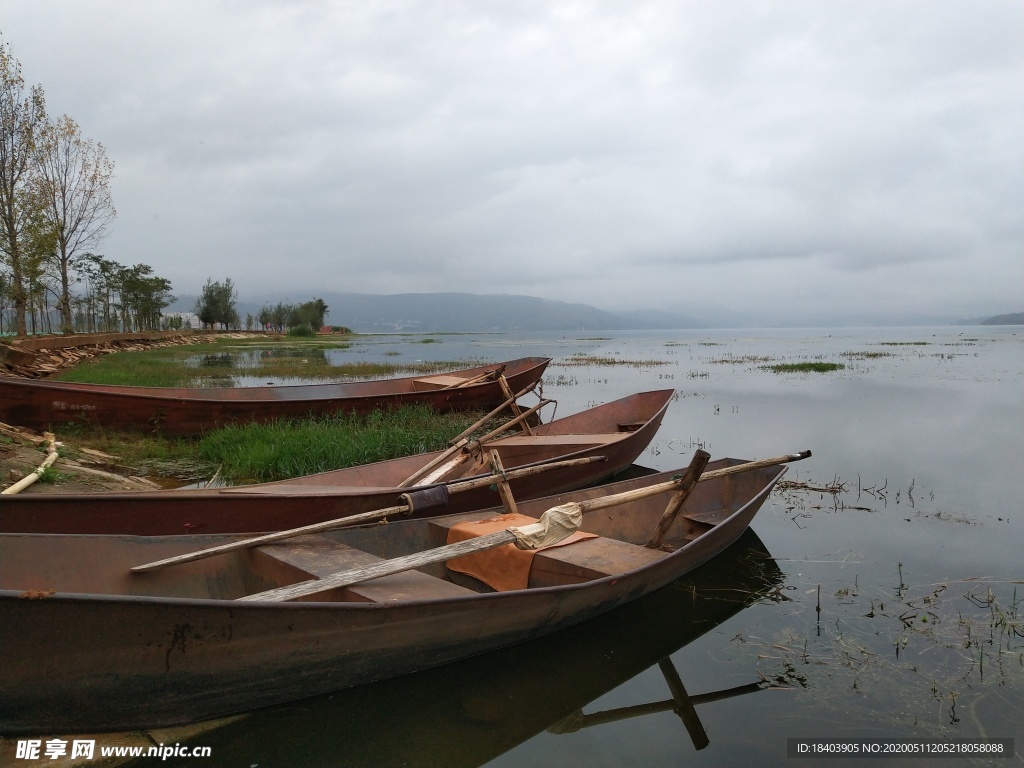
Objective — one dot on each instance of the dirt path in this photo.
(78, 468)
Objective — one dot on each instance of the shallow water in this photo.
(896, 609)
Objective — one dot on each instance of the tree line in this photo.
(55, 208)
(217, 306)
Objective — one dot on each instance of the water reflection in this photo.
(221, 360)
(468, 713)
(256, 358)
(682, 703)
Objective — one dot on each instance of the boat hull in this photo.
(86, 661)
(42, 405)
(325, 496)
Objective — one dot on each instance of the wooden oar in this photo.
(492, 540)
(456, 486)
(686, 484)
(642, 493)
(516, 410)
(501, 478)
(478, 378)
(508, 402)
(462, 442)
(418, 559)
(474, 444)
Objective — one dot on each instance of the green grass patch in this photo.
(904, 343)
(742, 359)
(865, 355)
(585, 360)
(152, 368)
(815, 367)
(51, 476)
(282, 449)
(263, 452)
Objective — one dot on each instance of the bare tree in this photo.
(74, 185)
(22, 111)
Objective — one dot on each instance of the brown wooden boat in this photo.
(40, 405)
(89, 644)
(467, 713)
(618, 431)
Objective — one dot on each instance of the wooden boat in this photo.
(618, 431)
(89, 644)
(468, 713)
(40, 405)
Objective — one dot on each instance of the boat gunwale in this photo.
(182, 393)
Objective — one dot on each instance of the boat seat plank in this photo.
(429, 383)
(710, 517)
(313, 556)
(529, 440)
(588, 560)
(574, 563)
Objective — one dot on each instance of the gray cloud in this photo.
(783, 159)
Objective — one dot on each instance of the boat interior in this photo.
(43, 565)
(403, 385)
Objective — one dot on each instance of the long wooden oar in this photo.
(510, 399)
(642, 493)
(456, 486)
(466, 448)
(565, 522)
(516, 410)
(462, 443)
(490, 541)
(500, 370)
(461, 439)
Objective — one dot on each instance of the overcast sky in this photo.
(782, 159)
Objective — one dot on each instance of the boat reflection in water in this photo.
(470, 712)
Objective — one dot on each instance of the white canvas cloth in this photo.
(553, 526)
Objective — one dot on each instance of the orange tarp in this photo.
(506, 567)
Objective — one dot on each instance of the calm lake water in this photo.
(882, 597)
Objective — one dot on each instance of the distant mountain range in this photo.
(468, 312)
(1014, 318)
(455, 312)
